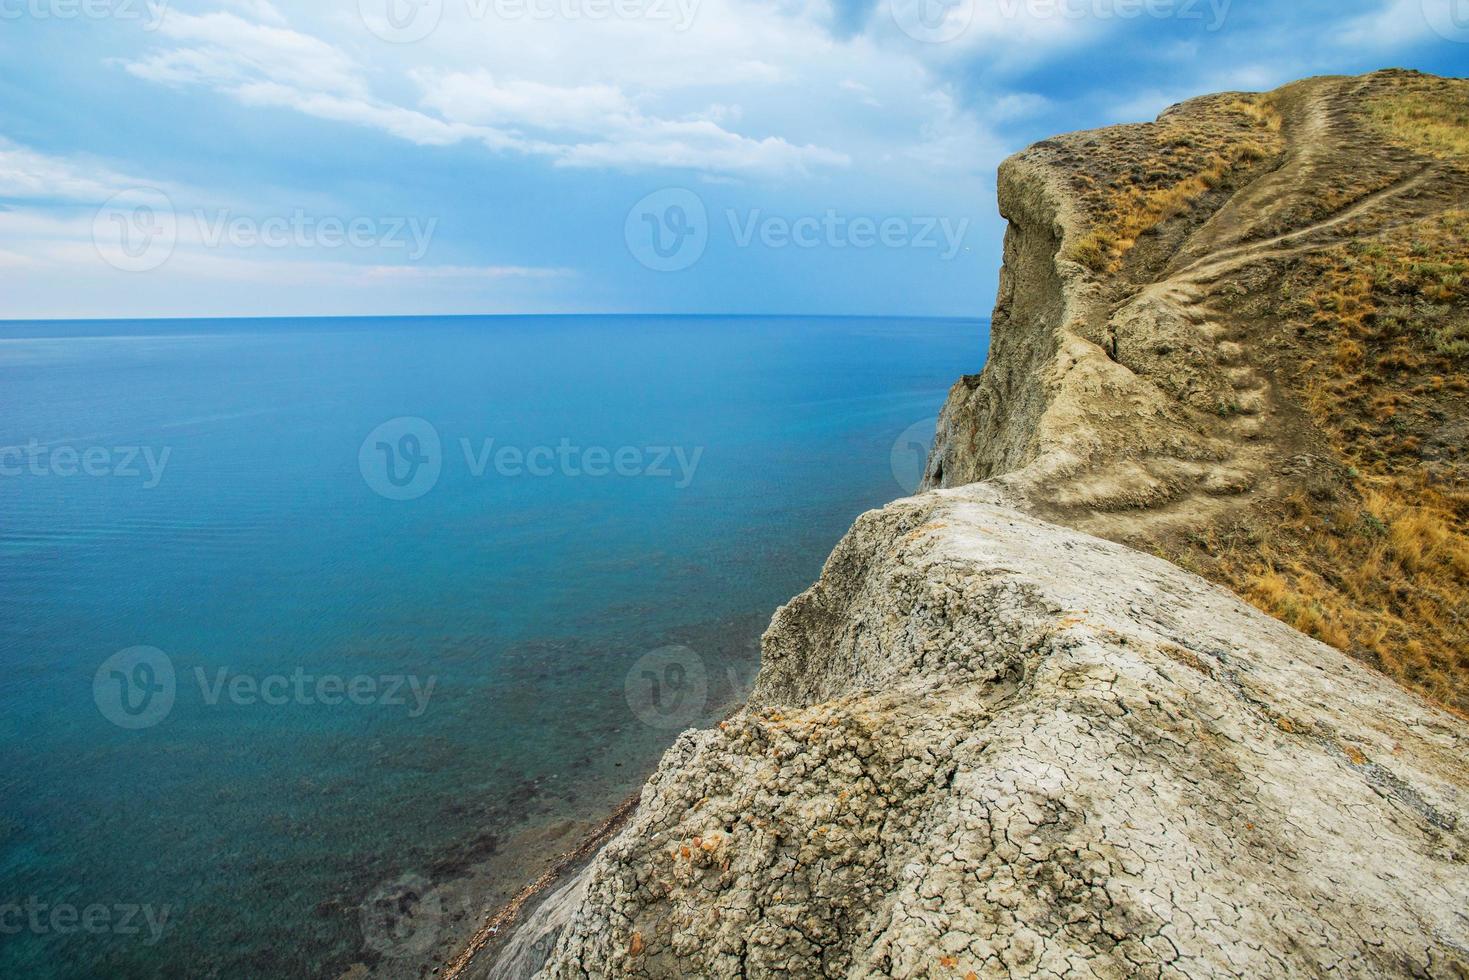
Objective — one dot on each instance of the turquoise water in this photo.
(524, 640)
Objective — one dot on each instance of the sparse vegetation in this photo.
(1334, 298)
(1190, 155)
(1429, 116)
(1380, 569)
(1384, 579)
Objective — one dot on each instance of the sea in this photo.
(304, 620)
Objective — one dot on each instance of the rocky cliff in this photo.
(991, 742)
(1239, 337)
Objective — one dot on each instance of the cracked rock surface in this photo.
(983, 745)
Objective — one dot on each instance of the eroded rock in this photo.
(983, 743)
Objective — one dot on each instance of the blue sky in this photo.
(270, 157)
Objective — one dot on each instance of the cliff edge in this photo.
(991, 742)
(1238, 337)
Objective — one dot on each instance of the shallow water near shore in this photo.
(274, 660)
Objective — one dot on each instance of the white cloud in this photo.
(227, 51)
(59, 243)
(466, 272)
(1396, 24)
(1016, 105)
(407, 124)
(260, 10)
(476, 97)
(1013, 34)
(582, 123)
(28, 175)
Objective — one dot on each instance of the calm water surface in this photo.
(338, 689)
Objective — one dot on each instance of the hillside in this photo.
(1239, 338)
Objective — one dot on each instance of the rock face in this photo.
(986, 744)
(1130, 377)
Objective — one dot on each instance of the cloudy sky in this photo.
(268, 157)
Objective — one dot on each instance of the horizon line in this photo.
(480, 316)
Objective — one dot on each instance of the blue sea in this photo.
(301, 619)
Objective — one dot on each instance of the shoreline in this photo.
(488, 938)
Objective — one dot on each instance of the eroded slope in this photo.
(987, 746)
(1239, 337)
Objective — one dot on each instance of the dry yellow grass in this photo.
(1383, 571)
(1430, 117)
(1385, 581)
(1370, 339)
(1190, 160)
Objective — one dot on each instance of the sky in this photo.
(364, 157)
